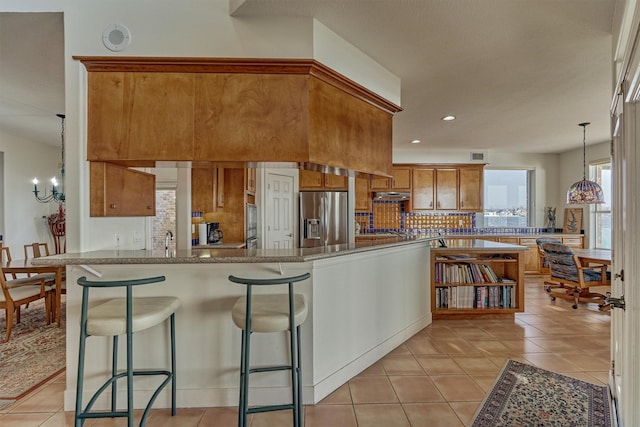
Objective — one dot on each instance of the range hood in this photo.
(392, 195)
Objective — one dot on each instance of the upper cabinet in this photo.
(401, 180)
(471, 189)
(447, 187)
(119, 191)
(143, 110)
(313, 180)
(422, 195)
(363, 197)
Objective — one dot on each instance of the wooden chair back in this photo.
(21, 292)
(37, 250)
(5, 254)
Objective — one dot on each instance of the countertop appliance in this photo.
(323, 218)
(251, 231)
(214, 234)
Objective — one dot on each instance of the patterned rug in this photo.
(524, 395)
(34, 354)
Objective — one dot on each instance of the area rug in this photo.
(34, 354)
(524, 395)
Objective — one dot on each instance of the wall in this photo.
(193, 28)
(24, 217)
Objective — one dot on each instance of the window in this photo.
(601, 173)
(507, 197)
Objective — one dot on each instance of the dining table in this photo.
(26, 267)
(594, 256)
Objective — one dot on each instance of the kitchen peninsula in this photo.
(364, 301)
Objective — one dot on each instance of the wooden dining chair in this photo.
(37, 250)
(19, 292)
(5, 257)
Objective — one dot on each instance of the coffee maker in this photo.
(214, 234)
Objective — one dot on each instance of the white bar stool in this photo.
(270, 313)
(122, 316)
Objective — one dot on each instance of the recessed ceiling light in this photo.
(415, 141)
(448, 118)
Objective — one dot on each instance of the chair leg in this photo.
(244, 379)
(114, 372)
(80, 379)
(173, 365)
(294, 377)
(9, 311)
(299, 368)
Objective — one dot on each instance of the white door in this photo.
(280, 212)
(625, 369)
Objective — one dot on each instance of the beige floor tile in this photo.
(522, 346)
(375, 369)
(415, 389)
(431, 415)
(24, 420)
(48, 398)
(492, 346)
(217, 417)
(341, 396)
(60, 419)
(485, 382)
(272, 419)
(185, 417)
(551, 362)
(402, 365)
(458, 388)
(333, 415)
(439, 364)
(456, 346)
(423, 346)
(372, 390)
(400, 350)
(465, 410)
(381, 416)
(476, 365)
(587, 362)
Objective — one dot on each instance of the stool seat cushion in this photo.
(110, 317)
(269, 313)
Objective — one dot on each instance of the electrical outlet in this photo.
(117, 239)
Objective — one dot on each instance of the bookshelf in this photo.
(477, 278)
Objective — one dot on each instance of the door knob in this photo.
(290, 235)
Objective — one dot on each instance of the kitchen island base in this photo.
(362, 306)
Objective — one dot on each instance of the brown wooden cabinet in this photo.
(401, 179)
(119, 191)
(335, 182)
(310, 180)
(251, 180)
(379, 183)
(446, 189)
(220, 188)
(363, 196)
(203, 189)
(531, 259)
(422, 193)
(313, 180)
(471, 189)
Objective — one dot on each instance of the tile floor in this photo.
(437, 378)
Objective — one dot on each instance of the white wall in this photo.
(24, 217)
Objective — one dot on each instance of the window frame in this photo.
(596, 210)
(530, 178)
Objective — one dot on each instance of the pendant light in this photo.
(584, 192)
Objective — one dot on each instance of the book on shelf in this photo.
(474, 297)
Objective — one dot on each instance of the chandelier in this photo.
(57, 191)
(585, 191)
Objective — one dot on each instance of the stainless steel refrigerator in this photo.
(323, 218)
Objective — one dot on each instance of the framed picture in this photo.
(572, 221)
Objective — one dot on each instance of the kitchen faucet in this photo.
(168, 236)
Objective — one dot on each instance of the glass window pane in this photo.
(506, 195)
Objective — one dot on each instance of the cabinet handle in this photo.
(461, 203)
(438, 204)
(148, 207)
(431, 204)
(112, 206)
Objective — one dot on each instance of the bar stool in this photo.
(270, 313)
(122, 316)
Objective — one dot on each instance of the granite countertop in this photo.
(209, 255)
(222, 245)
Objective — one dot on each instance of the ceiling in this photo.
(519, 75)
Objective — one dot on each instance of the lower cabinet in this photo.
(120, 191)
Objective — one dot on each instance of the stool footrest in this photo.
(270, 368)
(269, 408)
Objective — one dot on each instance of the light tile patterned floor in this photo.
(436, 378)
